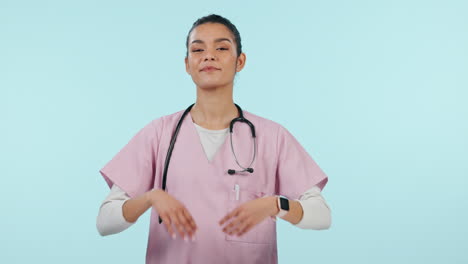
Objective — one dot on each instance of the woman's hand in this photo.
(171, 212)
(249, 214)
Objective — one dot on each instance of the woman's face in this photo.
(212, 57)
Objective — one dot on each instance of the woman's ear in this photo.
(187, 68)
(240, 62)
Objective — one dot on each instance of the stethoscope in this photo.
(241, 118)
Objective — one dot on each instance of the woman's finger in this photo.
(243, 222)
(167, 222)
(246, 229)
(234, 213)
(232, 225)
(176, 221)
(186, 222)
(190, 219)
(190, 223)
(181, 220)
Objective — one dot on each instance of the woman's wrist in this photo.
(274, 205)
(151, 196)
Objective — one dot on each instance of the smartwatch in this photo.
(283, 205)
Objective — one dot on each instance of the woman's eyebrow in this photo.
(216, 40)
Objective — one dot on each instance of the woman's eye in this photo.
(198, 50)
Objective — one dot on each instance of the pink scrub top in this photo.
(282, 167)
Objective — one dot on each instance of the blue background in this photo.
(376, 91)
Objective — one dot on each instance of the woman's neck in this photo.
(214, 108)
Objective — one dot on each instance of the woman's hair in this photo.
(221, 20)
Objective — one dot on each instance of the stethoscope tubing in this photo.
(231, 127)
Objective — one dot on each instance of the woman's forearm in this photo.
(133, 208)
(295, 213)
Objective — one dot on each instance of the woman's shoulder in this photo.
(161, 120)
(261, 121)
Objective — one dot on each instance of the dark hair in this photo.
(221, 20)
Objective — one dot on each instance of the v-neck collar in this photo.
(221, 149)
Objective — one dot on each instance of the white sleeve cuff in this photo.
(316, 214)
(110, 219)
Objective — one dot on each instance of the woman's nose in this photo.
(209, 55)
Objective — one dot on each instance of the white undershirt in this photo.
(110, 220)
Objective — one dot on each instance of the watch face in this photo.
(284, 203)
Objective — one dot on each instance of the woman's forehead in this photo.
(210, 32)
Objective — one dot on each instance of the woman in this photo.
(211, 211)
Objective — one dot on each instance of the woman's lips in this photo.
(209, 69)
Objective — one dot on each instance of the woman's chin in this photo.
(210, 85)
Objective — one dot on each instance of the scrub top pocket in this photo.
(261, 233)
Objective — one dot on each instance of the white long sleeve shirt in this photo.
(110, 220)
